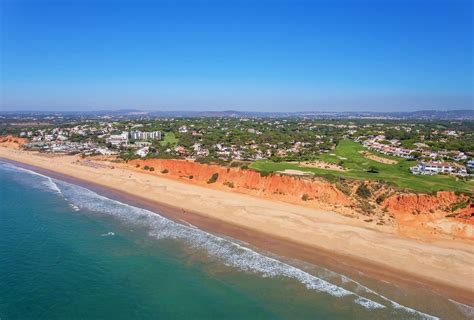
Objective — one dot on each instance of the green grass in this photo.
(169, 139)
(348, 151)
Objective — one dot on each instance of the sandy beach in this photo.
(287, 229)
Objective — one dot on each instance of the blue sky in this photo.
(382, 55)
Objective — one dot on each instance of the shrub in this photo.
(372, 169)
(264, 173)
(230, 184)
(305, 197)
(381, 198)
(213, 178)
(245, 167)
(165, 171)
(152, 169)
(137, 166)
(191, 177)
(344, 188)
(459, 205)
(363, 191)
(146, 168)
(366, 207)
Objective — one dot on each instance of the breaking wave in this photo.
(230, 252)
(46, 181)
(468, 311)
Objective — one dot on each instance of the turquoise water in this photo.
(67, 252)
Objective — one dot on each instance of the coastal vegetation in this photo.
(213, 178)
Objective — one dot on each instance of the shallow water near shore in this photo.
(68, 252)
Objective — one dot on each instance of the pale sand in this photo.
(320, 165)
(374, 157)
(447, 263)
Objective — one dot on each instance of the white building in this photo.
(430, 168)
(142, 135)
(142, 152)
(470, 164)
(118, 139)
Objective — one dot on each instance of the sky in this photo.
(339, 55)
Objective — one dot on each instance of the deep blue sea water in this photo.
(67, 252)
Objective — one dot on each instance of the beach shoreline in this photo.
(287, 245)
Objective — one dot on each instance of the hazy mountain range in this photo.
(136, 113)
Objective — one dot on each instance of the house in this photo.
(470, 164)
(142, 152)
(432, 167)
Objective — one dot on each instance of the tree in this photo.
(373, 169)
(416, 155)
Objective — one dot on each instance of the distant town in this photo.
(430, 147)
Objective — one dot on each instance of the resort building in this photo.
(118, 139)
(143, 135)
(430, 168)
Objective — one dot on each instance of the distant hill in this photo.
(134, 113)
(422, 115)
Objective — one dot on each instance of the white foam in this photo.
(393, 303)
(74, 207)
(108, 234)
(465, 309)
(48, 182)
(229, 252)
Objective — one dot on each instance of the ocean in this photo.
(67, 252)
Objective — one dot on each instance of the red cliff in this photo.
(11, 141)
(279, 187)
(415, 215)
(423, 215)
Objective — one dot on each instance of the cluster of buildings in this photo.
(86, 139)
(393, 148)
(125, 137)
(87, 148)
(439, 167)
(427, 167)
(389, 150)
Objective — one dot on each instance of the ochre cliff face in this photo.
(414, 215)
(420, 203)
(423, 215)
(285, 188)
(12, 142)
